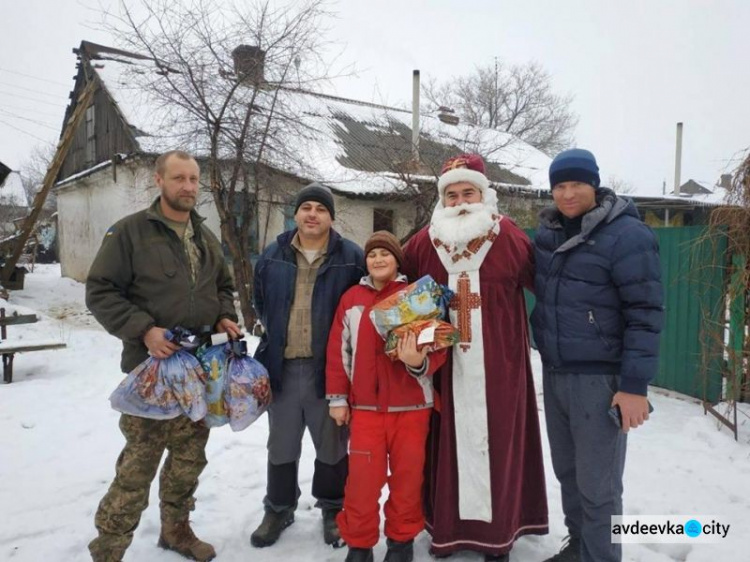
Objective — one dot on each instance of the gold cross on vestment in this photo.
(464, 301)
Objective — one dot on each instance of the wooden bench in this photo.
(9, 349)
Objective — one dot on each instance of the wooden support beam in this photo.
(49, 179)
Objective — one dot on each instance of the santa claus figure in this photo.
(485, 475)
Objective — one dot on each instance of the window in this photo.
(288, 211)
(382, 219)
(90, 137)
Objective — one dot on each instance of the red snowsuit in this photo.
(390, 420)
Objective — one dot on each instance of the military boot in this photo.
(179, 537)
(331, 533)
(105, 557)
(359, 555)
(570, 552)
(269, 530)
(399, 551)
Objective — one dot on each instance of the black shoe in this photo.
(269, 531)
(497, 557)
(359, 555)
(399, 551)
(331, 533)
(570, 552)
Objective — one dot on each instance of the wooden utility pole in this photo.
(49, 179)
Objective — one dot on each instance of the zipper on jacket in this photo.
(595, 324)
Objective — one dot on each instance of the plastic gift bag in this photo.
(214, 362)
(433, 334)
(249, 389)
(163, 389)
(424, 299)
(238, 389)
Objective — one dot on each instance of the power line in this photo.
(34, 77)
(14, 116)
(33, 110)
(16, 94)
(22, 131)
(40, 92)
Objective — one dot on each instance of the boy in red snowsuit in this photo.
(388, 403)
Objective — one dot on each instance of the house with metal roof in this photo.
(365, 152)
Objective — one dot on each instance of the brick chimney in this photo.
(447, 115)
(725, 181)
(249, 64)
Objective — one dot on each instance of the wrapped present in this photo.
(238, 388)
(163, 389)
(214, 361)
(433, 334)
(424, 299)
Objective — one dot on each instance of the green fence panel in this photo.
(693, 271)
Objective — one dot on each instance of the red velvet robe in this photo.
(519, 501)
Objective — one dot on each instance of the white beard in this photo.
(450, 226)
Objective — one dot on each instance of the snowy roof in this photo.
(716, 196)
(355, 147)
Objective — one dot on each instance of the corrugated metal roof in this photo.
(356, 147)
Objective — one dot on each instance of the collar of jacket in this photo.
(367, 281)
(154, 213)
(284, 241)
(609, 206)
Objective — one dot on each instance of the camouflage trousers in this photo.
(120, 510)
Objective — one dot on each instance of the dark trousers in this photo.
(292, 410)
(588, 457)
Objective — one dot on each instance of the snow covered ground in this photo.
(59, 441)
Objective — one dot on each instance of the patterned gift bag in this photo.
(163, 389)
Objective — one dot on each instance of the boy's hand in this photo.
(408, 353)
(340, 414)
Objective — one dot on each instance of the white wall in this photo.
(354, 217)
(88, 206)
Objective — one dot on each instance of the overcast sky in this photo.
(635, 68)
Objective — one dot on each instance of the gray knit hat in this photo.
(318, 193)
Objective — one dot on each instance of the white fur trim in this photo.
(489, 195)
(462, 174)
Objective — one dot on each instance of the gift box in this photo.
(432, 334)
(424, 299)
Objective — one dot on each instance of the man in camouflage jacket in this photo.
(157, 269)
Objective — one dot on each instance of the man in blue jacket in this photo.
(596, 323)
(299, 280)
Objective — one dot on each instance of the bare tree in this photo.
(517, 99)
(32, 173)
(231, 106)
(619, 185)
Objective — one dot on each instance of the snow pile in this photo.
(59, 441)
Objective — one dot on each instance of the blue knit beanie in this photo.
(575, 164)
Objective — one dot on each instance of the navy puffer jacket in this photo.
(599, 294)
(273, 293)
